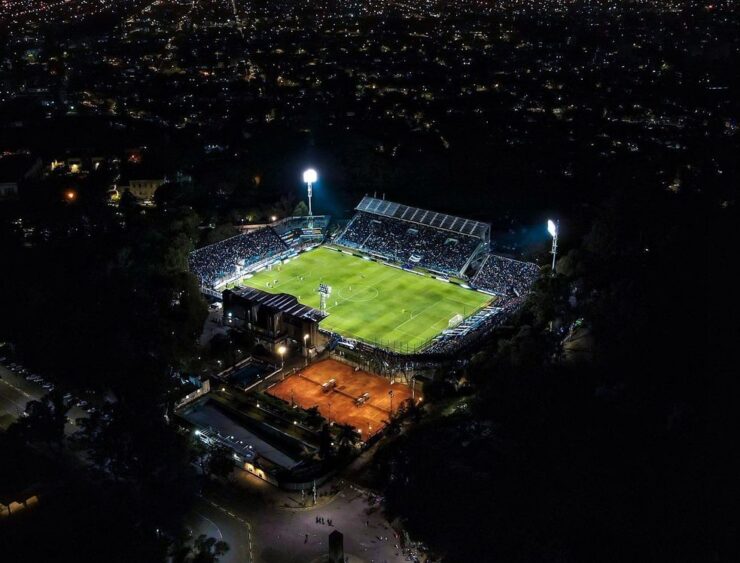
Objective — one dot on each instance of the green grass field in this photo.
(370, 301)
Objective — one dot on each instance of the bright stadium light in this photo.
(552, 228)
(281, 351)
(309, 178)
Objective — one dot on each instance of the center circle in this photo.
(359, 293)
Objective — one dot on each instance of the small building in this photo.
(144, 189)
(275, 319)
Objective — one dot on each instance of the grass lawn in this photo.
(370, 301)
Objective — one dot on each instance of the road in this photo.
(215, 521)
(285, 535)
(15, 392)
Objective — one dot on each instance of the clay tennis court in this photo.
(305, 389)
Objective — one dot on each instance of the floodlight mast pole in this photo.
(553, 228)
(310, 194)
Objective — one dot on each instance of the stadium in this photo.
(398, 279)
(374, 306)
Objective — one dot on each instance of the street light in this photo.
(281, 351)
(552, 228)
(309, 177)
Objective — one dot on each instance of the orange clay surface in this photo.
(304, 389)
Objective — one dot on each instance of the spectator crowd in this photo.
(505, 276)
(409, 243)
(300, 231)
(226, 258)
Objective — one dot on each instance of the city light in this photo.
(552, 228)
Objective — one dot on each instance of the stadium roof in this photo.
(281, 302)
(424, 217)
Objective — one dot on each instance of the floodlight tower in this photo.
(309, 177)
(552, 228)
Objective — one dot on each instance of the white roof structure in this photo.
(425, 217)
(280, 302)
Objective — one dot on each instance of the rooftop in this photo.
(433, 219)
(281, 302)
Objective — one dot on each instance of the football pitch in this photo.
(370, 301)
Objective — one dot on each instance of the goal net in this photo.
(455, 320)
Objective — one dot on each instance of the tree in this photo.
(220, 232)
(325, 449)
(301, 210)
(221, 462)
(203, 549)
(347, 439)
(200, 454)
(128, 202)
(313, 416)
(45, 421)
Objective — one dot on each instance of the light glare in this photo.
(310, 176)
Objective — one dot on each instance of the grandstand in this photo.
(298, 232)
(415, 237)
(218, 264)
(226, 260)
(504, 276)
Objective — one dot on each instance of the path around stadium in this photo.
(282, 535)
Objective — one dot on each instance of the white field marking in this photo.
(424, 310)
(408, 334)
(342, 301)
(466, 305)
(442, 320)
(281, 283)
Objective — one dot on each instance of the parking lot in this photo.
(18, 386)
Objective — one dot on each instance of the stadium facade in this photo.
(275, 319)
